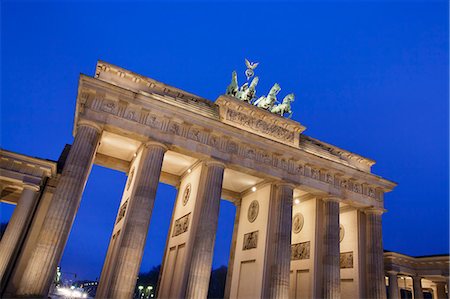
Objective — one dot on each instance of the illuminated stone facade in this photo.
(308, 217)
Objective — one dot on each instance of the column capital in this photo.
(88, 123)
(392, 273)
(284, 184)
(156, 144)
(373, 210)
(31, 186)
(212, 162)
(331, 199)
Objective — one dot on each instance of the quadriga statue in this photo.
(245, 92)
(285, 106)
(267, 102)
(233, 88)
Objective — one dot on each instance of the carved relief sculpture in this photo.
(250, 240)
(130, 178)
(181, 225)
(346, 260)
(341, 232)
(122, 210)
(297, 223)
(186, 194)
(300, 251)
(253, 211)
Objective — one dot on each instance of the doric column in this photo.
(375, 279)
(209, 197)
(15, 230)
(41, 267)
(417, 287)
(279, 258)
(440, 290)
(394, 292)
(331, 269)
(134, 232)
(237, 204)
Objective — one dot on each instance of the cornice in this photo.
(27, 165)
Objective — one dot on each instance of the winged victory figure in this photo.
(250, 67)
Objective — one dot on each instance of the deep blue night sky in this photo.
(370, 77)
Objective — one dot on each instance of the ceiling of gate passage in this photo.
(123, 149)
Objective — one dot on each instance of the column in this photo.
(331, 268)
(41, 267)
(200, 268)
(440, 288)
(375, 279)
(394, 291)
(279, 259)
(14, 234)
(417, 286)
(237, 204)
(123, 275)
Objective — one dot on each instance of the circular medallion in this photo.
(130, 179)
(186, 194)
(253, 210)
(297, 223)
(341, 232)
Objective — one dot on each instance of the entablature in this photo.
(17, 166)
(143, 116)
(422, 266)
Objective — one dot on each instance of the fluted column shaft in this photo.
(202, 254)
(280, 230)
(232, 250)
(417, 287)
(16, 227)
(394, 292)
(440, 290)
(40, 270)
(375, 283)
(331, 269)
(135, 230)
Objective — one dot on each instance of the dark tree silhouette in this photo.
(217, 283)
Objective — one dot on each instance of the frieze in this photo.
(230, 146)
(181, 225)
(260, 125)
(346, 260)
(300, 251)
(258, 121)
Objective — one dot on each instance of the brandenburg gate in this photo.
(308, 214)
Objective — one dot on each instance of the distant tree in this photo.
(147, 279)
(217, 283)
(3, 226)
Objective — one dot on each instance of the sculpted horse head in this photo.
(274, 90)
(289, 98)
(285, 106)
(233, 88)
